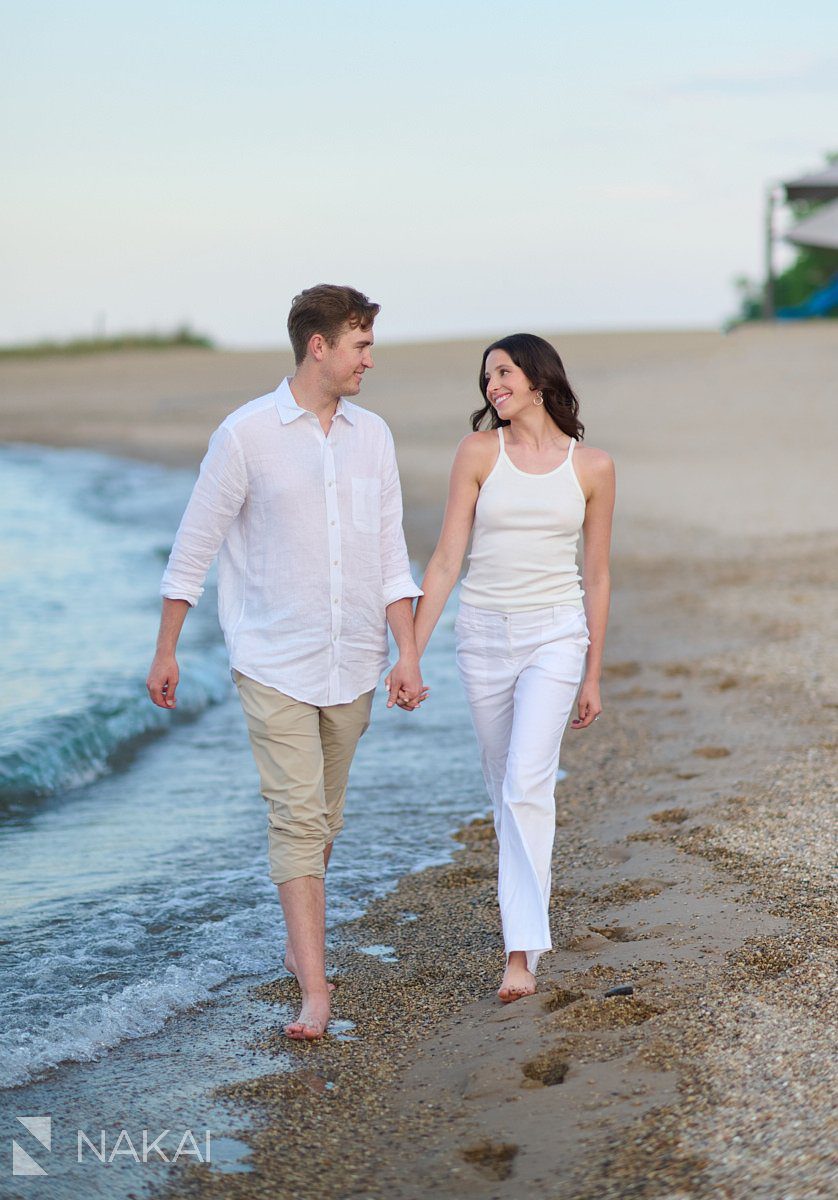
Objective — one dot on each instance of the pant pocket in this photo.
(571, 626)
(472, 660)
(584, 635)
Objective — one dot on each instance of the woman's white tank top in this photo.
(526, 531)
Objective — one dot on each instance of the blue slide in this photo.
(819, 304)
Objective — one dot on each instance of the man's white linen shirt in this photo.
(308, 533)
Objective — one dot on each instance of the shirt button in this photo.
(335, 563)
(331, 522)
(330, 483)
(336, 601)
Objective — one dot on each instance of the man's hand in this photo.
(404, 685)
(162, 680)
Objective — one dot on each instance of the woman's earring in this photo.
(539, 398)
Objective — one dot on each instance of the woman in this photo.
(525, 639)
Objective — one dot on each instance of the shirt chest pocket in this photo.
(366, 503)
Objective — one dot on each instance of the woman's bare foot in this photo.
(313, 1019)
(517, 980)
(291, 967)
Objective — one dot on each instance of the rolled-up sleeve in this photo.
(216, 500)
(396, 579)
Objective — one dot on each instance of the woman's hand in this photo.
(589, 704)
(404, 685)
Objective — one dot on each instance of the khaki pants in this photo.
(303, 754)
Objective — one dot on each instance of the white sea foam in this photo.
(242, 944)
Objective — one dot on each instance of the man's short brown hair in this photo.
(325, 309)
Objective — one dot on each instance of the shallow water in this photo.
(134, 882)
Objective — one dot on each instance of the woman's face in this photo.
(507, 388)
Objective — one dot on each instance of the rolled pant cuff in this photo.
(286, 874)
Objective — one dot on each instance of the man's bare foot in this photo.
(291, 967)
(517, 980)
(313, 1019)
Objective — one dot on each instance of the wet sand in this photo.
(694, 830)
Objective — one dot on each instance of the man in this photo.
(299, 496)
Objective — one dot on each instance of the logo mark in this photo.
(22, 1162)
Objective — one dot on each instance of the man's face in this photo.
(345, 362)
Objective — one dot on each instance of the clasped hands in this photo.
(404, 685)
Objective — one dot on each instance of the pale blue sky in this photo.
(475, 167)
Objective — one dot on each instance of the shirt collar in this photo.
(289, 409)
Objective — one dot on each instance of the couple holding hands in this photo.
(299, 499)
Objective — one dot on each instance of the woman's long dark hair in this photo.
(542, 365)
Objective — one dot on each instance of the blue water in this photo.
(83, 540)
(132, 840)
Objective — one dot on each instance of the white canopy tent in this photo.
(822, 225)
(821, 185)
(820, 229)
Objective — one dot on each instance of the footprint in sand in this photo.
(493, 1159)
(670, 816)
(559, 997)
(632, 889)
(548, 1068)
(616, 1012)
(623, 670)
(725, 685)
(617, 853)
(617, 933)
(635, 693)
(674, 670)
(585, 939)
(712, 752)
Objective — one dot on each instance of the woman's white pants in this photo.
(521, 672)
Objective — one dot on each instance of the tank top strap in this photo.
(502, 452)
(571, 448)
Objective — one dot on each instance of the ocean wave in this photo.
(64, 752)
(92, 1029)
(241, 944)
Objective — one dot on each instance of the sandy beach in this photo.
(692, 862)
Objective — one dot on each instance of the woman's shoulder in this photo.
(595, 460)
(478, 445)
(476, 455)
(595, 471)
(483, 437)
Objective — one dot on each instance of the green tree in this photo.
(811, 270)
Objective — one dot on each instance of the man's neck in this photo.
(311, 393)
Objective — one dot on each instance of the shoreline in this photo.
(664, 880)
(692, 829)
